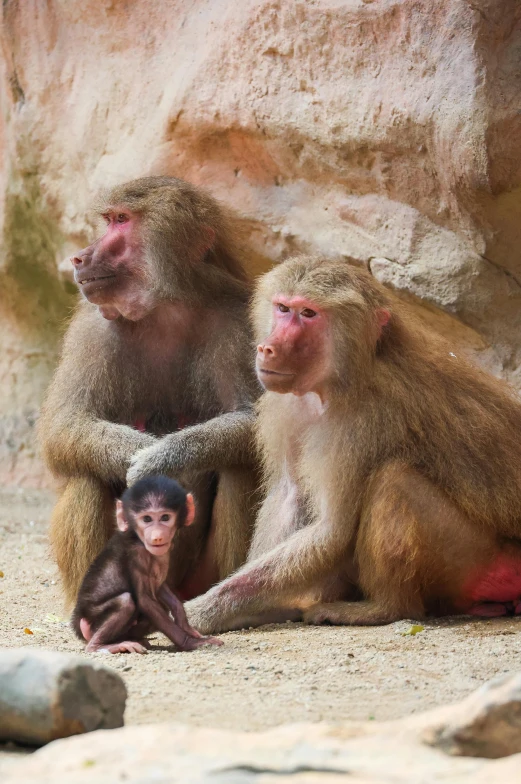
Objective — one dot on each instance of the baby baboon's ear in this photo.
(121, 522)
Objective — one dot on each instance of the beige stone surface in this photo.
(387, 132)
(486, 724)
(393, 752)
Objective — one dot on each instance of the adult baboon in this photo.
(392, 465)
(155, 374)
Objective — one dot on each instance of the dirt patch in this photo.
(259, 678)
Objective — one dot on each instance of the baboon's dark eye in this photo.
(147, 519)
(308, 313)
(282, 308)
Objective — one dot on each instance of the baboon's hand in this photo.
(165, 457)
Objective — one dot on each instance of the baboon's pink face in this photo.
(111, 273)
(297, 355)
(156, 528)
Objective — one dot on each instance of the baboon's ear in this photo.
(190, 509)
(383, 316)
(206, 241)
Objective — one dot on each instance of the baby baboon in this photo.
(124, 595)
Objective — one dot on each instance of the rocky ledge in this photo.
(477, 740)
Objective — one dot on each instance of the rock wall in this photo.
(386, 132)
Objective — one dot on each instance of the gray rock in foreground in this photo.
(409, 751)
(46, 695)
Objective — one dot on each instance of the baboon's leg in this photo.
(414, 549)
(82, 522)
(233, 518)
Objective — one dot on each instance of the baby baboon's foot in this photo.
(211, 641)
(127, 646)
(85, 629)
(192, 643)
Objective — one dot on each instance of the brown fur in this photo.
(187, 360)
(405, 485)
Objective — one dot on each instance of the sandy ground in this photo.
(259, 678)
